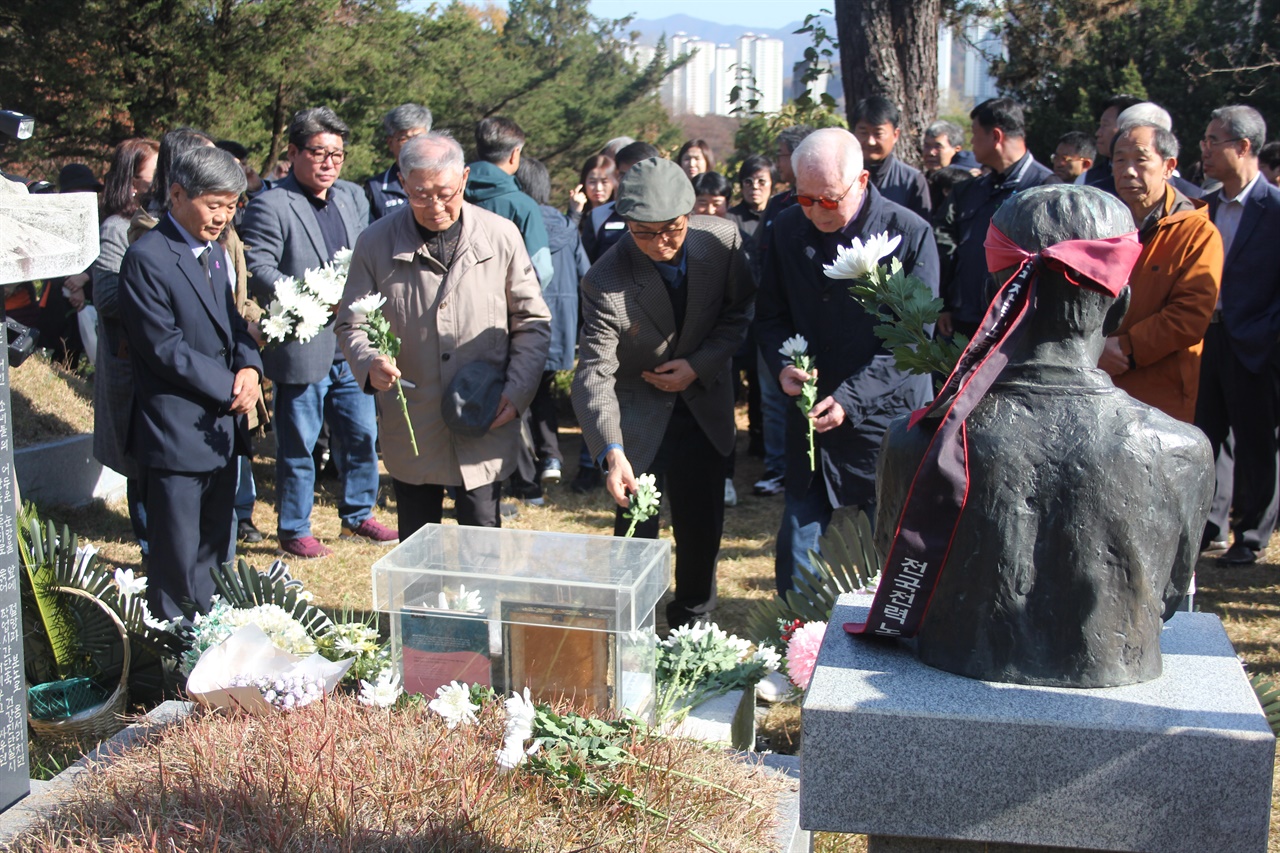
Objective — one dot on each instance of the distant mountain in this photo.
(793, 46)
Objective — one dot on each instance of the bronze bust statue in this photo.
(1085, 507)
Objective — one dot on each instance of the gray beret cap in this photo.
(655, 190)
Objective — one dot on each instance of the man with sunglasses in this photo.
(860, 390)
(299, 224)
(663, 312)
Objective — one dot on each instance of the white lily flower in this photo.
(130, 585)
(794, 346)
(384, 692)
(366, 305)
(858, 260)
(453, 702)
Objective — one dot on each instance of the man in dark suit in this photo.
(860, 390)
(196, 373)
(1237, 368)
(300, 224)
(663, 313)
(999, 142)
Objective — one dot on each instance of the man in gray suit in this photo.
(298, 225)
(663, 313)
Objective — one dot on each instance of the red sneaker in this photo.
(304, 548)
(370, 530)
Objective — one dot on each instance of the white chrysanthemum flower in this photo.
(277, 327)
(326, 283)
(222, 620)
(794, 346)
(858, 260)
(130, 585)
(768, 657)
(342, 259)
(520, 715)
(453, 702)
(149, 619)
(464, 602)
(366, 305)
(288, 293)
(384, 692)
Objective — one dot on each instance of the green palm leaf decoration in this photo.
(243, 586)
(1269, 698)
(52, 645)
(847, 563)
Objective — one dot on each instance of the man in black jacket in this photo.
(860, 390)
(385, 191)
(875, 123)
(999, 143)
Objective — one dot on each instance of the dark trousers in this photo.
(189, 528)
(1237, 402)
(690, 475)
(417, 505)
(544, 429)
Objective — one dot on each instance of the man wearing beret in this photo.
(663, 313)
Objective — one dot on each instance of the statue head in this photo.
(1044, 216)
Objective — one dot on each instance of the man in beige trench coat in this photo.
(459, 288)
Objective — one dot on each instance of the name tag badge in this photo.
(392, 202)
(614, 226)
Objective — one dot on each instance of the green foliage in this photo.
(52, 641)
(1269, 698)
(1190, 56)
(847, 562)
(242, 586)
(906, 306)
(700, 662)
(94, 72)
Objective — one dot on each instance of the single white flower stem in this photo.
(812, 463)
(404, 408)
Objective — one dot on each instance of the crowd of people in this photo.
(662, 283)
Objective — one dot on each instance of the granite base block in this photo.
(1181, 764)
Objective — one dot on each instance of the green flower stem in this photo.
(404, 408)
(632, 529)
(812, 462)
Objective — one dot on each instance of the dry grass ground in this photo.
(1247, 600)
(48, 402)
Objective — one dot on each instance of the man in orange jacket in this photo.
(1155, 354)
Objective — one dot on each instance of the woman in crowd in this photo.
(713, 192)
(132, 169)
(756, 179)
(695, 157)
(591, 206)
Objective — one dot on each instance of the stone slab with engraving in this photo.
(922, 759)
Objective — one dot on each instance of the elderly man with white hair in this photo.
(461, 295)
(860, 390)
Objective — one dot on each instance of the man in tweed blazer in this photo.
(299, 224)
(664, 311)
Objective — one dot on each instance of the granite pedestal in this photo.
(924, 760)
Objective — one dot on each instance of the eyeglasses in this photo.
(824, 203)
(419, 198)
(756, 182)
(1211, 143)
(645, 236)
(322, 154)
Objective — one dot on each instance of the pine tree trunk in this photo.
(890, 48)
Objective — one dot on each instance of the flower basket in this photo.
(100, 721)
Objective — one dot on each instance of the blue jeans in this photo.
(773, 410)
(299, 412)
(803, 522)
(246, 490)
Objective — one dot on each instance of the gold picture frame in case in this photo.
(560, 652)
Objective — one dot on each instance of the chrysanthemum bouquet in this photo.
(903, 303)
(701, 661)
(222, 620)
(796, 351)
(643, 502)
(368, 316)
(302, 308)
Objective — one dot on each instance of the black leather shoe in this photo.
(1239, 554)
(247, 532)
